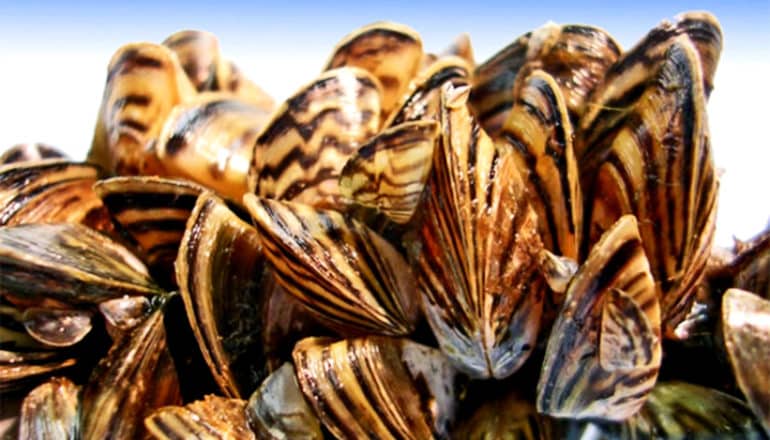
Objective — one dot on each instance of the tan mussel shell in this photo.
(391, 52)
(300, 153)
(213, 417)
(50, 411)
(604, 351)
(218, 271)
(377, 387)
(654, 160)
(51, 191)
(746, 334)
(30, 153)
(477, 250)
(351, 278)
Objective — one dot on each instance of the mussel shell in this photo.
(301, 151)
(656, 162)
(460, 47)
(377, 387)
(144, 82)
(750, 270)
(213, 417)
(477, 249)
(50, 411)
(389, 172)
(19, 370)
(604, 351)
(218, 271)
(746, 334)
(153, 211)
(30, 153)
(71, 264)
(210, 140)
(350, 277)
(123, 314)
(278, 410)
(391, 52)
(51, 191)
(57, 327)
(133, 379)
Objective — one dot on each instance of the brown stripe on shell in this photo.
(391, 52)
(657, 164)
(218, 272)
(479, 244)
(19, 372)
(750, 270)
(422, 99)
(29, 153)
(576, 56)
(136, 377)
(389, 172)
(213, 417)
(50, 411)
(71, 264)
(377, 387)
(301, 151)
(746, 334)
(626, 79)
(210, 140)
(604, 351)
(144, 82)
(346, 274)
(51, 191)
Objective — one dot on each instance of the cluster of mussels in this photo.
(411, 246)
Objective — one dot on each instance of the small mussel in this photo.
(30, 153)
(50, 411)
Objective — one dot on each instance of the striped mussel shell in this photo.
(31, 152)
(278, 409)
(214, 417)
(218, 272)
(144, 82)
(604, 351)
(299, 154)
(352, 279)
(377, 387)
(25, 361)
(391, 52)
(153, 213)
(136, 377)
(200, 57)
(652, 158)
(389, 172)
(577, 56)
(750, 270)
(477, 249)
(50, 411)
(746, 336)
(67, 264)
(51, 191)
(210, 140)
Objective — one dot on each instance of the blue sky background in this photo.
(53, 59)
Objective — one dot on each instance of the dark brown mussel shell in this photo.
(210, 140)
(218, 270)
(50, 411)
(750, 270)
(377, 387)
(577, 57)
(199, 55)
(51, 191)
(153, 212)
(144, 82)
(746, 335)
(278, 409)
(20, 369)
(136, 377)
(391, 52)
(30, 153)
(477, 249)
(389, 172)
(300, 153)
(212, 418)
(67, 264)
(653, 159)
(604, 351)
(124, 313)
(351, 278)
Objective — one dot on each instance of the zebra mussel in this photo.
(412, 245)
